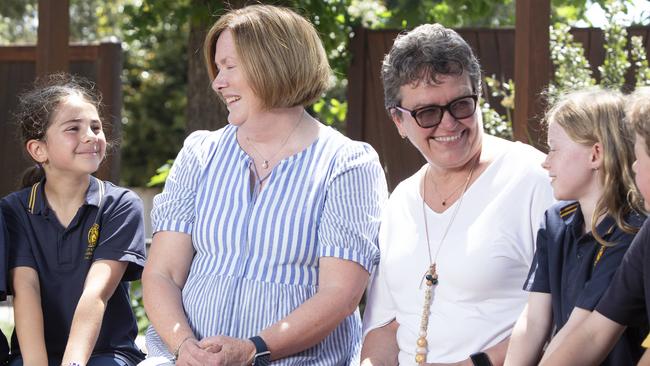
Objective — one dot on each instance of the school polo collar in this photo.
(572, 216)
(37, 205)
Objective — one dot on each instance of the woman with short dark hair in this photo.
(457, 237)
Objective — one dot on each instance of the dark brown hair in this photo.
(37, 106)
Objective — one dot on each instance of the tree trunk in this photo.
(205, 111)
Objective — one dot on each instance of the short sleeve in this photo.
(121, 235)
(355, 195)
(538, 276)
(380, 308)
(601, 277)
(173, 209)
(19, 249)
(624, 301)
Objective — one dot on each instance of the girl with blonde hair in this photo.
(584, 236)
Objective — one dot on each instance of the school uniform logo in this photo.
(93, 236)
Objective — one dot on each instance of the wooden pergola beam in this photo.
(52, 51)
(532, 69)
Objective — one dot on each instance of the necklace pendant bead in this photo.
(420, 358)
(422, 342)
(265, 164)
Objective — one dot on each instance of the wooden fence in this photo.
(100, 63)
(367, 119)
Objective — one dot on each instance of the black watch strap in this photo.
(480, 359)
(262, 354)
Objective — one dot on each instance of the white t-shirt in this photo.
(482, 264)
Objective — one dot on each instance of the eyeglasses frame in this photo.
(444, 108)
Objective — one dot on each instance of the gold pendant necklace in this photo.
(431, 275)
(265, 161)
(444, 200)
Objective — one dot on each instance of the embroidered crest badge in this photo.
(93, 236)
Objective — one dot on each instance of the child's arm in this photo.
(28, 315)
(588, 344)
(380, 347)
(531, 331)
(575, 319)
(101, 281)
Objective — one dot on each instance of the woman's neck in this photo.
(442, 176)
(271, 126)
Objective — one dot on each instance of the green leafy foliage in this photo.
(155, 90)
(640, 61)
(90, 20)
(494, 123)
(572, 70)
(161, 174)
(138, 306)
(616, 58)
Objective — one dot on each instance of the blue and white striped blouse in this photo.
(257, 251)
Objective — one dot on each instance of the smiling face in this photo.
(641, 169)
(230, 82)
(452, 143)
(569, 164)
(74, 142)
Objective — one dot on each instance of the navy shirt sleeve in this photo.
(624, 302)
(121, 235)
(19, 248)
(538, 276)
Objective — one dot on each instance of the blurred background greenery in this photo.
(161, 40)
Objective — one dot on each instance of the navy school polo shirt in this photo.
(627, 301)
(576, 270)
(4, 346)
(62, 258)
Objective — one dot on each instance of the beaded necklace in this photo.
(431, 276)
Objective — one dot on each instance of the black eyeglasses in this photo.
(431, 115)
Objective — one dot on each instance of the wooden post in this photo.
(52, 52)
(532, 69)
(356, 83)
(109, 68)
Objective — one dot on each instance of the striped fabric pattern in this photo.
(257, 250)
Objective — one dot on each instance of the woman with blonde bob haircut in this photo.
(289, 68)
(266, 230)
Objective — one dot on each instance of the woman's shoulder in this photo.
(518, 159)
(514, 150)
(201, 138)
(345, 145)
(344, 150)
(409, 188)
